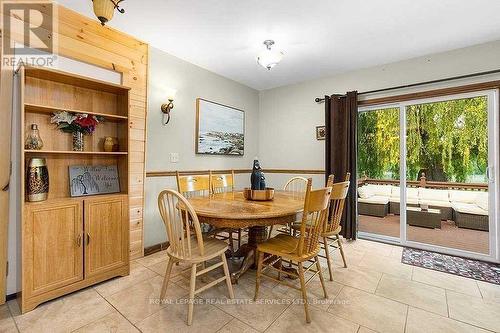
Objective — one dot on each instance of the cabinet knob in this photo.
(88, 238)
(79, 240)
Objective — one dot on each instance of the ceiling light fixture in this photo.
(269, 57)
(104, 9)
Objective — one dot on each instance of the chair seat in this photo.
(212, 248)
(285, 246)
(296, 226)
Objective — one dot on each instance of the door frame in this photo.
(493, 171)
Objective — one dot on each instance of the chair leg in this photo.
(318, 266)
(228, 276)
(166, 278)
(327, 253)
(239, 238)
(304, 292)
(259, 271)
(339, 241)
(192, 286)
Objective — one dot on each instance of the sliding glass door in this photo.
(447, 150)
(378, 172)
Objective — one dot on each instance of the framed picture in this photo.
(90, 180)
(320, 133)
(220, 129)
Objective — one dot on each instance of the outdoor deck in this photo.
(448, 236)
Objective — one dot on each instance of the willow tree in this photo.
(446, 140)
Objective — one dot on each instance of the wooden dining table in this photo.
(232, 210)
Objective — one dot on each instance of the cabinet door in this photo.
(107, 234)
(52, 246)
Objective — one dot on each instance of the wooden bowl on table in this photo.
(259, 195)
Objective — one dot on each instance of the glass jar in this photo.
(33, 140)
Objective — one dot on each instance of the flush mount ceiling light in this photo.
(269, 57)
(104, 9)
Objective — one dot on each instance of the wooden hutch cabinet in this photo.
(69, 243)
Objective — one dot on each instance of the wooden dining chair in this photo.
(330, 236)
(298, 249)
(188, 246)
(225, 183)
(331, 233)
(297, 186)
(194, 185)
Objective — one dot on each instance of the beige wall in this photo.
(289, 115)
(191, 82)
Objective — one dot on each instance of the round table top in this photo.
(231, 209)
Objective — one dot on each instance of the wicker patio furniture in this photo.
(471, 221)
(430, 218)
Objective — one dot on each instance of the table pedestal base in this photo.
(247, 251)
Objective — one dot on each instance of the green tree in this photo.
(446, 140)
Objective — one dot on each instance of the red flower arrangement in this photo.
(80, 122)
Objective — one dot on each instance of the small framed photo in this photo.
(320, 132)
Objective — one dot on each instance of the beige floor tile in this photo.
(365, 330)
(142, 299)
(161, 267)
(423, 321)
(258, 315)
(475, 311)
(369, 310)
(237, 326)
(386, 265)
(173, 318)
(358, 277)
(446, 281)
(353, 257)
(413, 293)
(397, 252)
(64, 314)
(314, 291)
(112, 323)
(7, 324)
(374, 248)
(489, 290)
(138, 273)
(152, 259)
(294, 320)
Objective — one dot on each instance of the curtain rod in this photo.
(495, 71)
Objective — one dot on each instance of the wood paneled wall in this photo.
(84, 39)
(5, 141)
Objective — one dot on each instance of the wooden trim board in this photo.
(150, 174)
(431, 93)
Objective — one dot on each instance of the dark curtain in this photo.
(340, 121)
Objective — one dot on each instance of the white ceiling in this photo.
(319, 37)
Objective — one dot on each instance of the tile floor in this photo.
(376, 293)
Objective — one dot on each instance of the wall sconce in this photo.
(167, 107)
(104, 9)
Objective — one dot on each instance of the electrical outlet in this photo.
(174, 157)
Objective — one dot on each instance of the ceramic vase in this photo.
(37, 180)
(109, 142)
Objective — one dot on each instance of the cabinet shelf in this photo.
(28, 107)
(68, 152)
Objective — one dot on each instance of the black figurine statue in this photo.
(257, 179)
